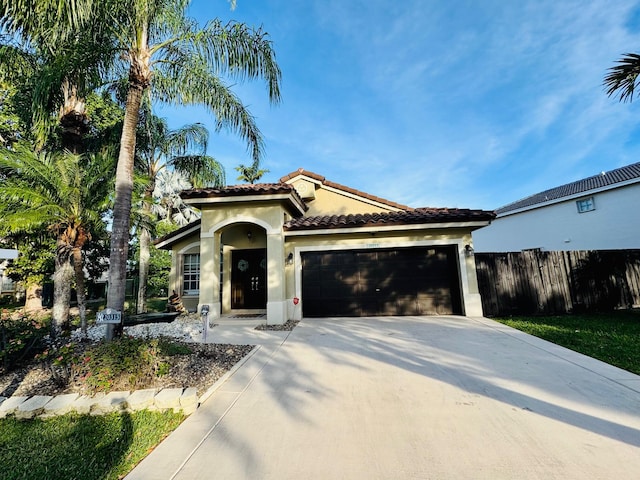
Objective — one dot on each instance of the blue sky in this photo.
(469, 104)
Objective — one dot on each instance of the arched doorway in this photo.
(244, 267)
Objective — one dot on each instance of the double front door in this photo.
(248, 279)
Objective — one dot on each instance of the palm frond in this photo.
(194, 85)
(201, 170)
(622, 78)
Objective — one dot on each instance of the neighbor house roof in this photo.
(604, 180)
(344, 188)
(406, 217)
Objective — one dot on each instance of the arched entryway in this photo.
(244, 268)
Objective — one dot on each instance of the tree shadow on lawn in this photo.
(77, 446)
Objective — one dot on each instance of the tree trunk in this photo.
(122, 208)
(61, 289)
(145, 241)
(33, 302)
(80, 288)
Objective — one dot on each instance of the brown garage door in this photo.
(407, 281)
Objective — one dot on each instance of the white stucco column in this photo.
(470, 291)
(276, 302)
(210, 274)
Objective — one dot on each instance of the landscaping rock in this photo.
(141, 399)
(32, 407)
(60, 405)
(168, 398)
(189, 400)
(84, 404)
(112, 402)
(9, 406)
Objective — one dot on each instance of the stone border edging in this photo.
(183, 400)
(44, 406)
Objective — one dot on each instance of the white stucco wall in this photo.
(613, 225)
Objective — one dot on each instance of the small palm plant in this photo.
(65, 193)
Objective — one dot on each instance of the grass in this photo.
(80, 446)
(613, 337)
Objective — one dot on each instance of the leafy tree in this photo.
(66, 194)
(11, 126)
(250, 174)
(34, 265)
(622, 78)
(160, 149)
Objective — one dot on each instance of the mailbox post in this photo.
(204, 313)
(109, 317)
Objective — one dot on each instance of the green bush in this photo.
(126, 362)
(21, 339)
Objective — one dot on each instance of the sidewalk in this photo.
(171, 455)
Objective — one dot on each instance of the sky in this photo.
(436, 103)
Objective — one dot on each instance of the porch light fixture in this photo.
(249, 235)
(290, 258)
(468, 250)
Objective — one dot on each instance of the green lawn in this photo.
(80, 446)
(612, 337)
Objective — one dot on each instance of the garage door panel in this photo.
(407, 281)
(437, 302)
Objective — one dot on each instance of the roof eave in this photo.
(471, 225)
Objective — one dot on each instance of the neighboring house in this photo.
(597, 213)
(7, 286)
(310, 247)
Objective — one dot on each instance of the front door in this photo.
(248, 279)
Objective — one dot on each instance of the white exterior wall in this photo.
(613, 225)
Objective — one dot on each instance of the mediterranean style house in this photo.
(308, 247)
(595, 213)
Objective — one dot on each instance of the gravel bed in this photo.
(200, 369)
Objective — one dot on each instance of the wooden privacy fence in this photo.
(537, 282)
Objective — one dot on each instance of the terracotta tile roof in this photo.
(344, 188)
(604, 179)
(405, 217)
(240, 190)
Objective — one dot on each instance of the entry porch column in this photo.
(276, 301)
(210, 274)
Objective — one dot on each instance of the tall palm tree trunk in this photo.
(61, 288)
(145, 255)
(80, 288)
(122, 207)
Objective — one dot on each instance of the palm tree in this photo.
(167, 204)
(60, 51)
(250, 174)
(622, 78)
(65, 193)
(183, 64)
(182, 151)
(159, 49)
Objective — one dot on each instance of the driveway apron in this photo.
(410, 398)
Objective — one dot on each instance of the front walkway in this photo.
(408, 397)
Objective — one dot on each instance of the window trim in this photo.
(192, 277)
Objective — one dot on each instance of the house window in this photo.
(191, 274)
(585, 205)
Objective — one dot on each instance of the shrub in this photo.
(126, 362)
(20, 339)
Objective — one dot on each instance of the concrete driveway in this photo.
(409, 398)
